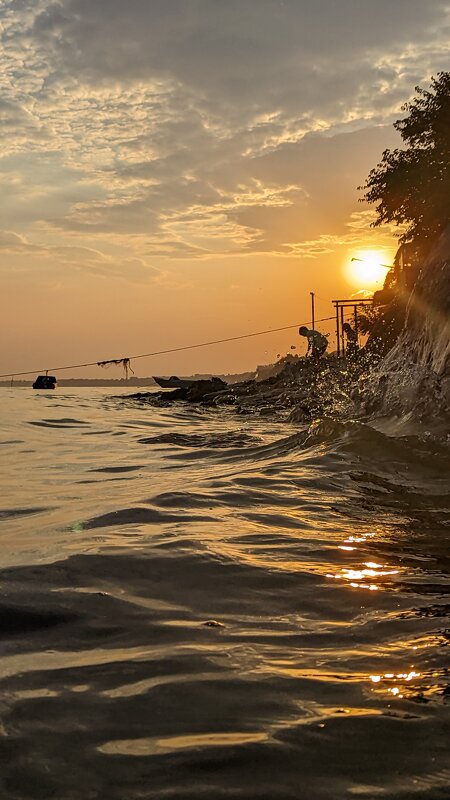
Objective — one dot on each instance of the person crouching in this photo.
(317, 342)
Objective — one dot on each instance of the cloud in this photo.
(14, 117)
(11, 241)
(359, 226)
(191, 129)
(16, 252)
(236, 50)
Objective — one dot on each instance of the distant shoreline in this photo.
(148, 382)
(83, 382)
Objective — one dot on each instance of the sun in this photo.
(367, 269)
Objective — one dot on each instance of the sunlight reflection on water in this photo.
(192, 590)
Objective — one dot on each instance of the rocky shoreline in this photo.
(302, 390)
(404, 367)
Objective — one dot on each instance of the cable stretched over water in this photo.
(127, 359)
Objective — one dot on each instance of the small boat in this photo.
(45, 382)
(173, 382)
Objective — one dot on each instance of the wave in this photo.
(253, 613)
(216, 440)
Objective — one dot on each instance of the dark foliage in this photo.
(412, 185)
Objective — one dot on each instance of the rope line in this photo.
(127, 359)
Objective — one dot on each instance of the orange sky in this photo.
(179, 172)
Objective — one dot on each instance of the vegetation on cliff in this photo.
(412, 185)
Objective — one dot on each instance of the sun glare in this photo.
(367, 269)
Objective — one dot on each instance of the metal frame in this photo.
(339, 306)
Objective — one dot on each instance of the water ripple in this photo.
(192, 610)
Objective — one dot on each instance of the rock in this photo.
(200, 390)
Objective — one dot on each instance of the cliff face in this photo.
(427, 330)
(415, 374)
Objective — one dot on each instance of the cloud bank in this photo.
(157, 130)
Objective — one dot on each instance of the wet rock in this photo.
(204, 389)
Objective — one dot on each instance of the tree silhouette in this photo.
(412, 185)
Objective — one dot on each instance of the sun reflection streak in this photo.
(359, 539)
(395, 684)
(369, 575)
(358, 578)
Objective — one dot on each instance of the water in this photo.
(199, 605)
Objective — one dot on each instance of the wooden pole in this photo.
(312, 310)
(338, 338)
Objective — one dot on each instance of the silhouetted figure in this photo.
(317, 342)
(352, 347)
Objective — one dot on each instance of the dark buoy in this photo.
(45, 382)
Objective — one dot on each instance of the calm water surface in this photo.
(199, 605)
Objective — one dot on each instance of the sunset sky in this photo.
(175, 171)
